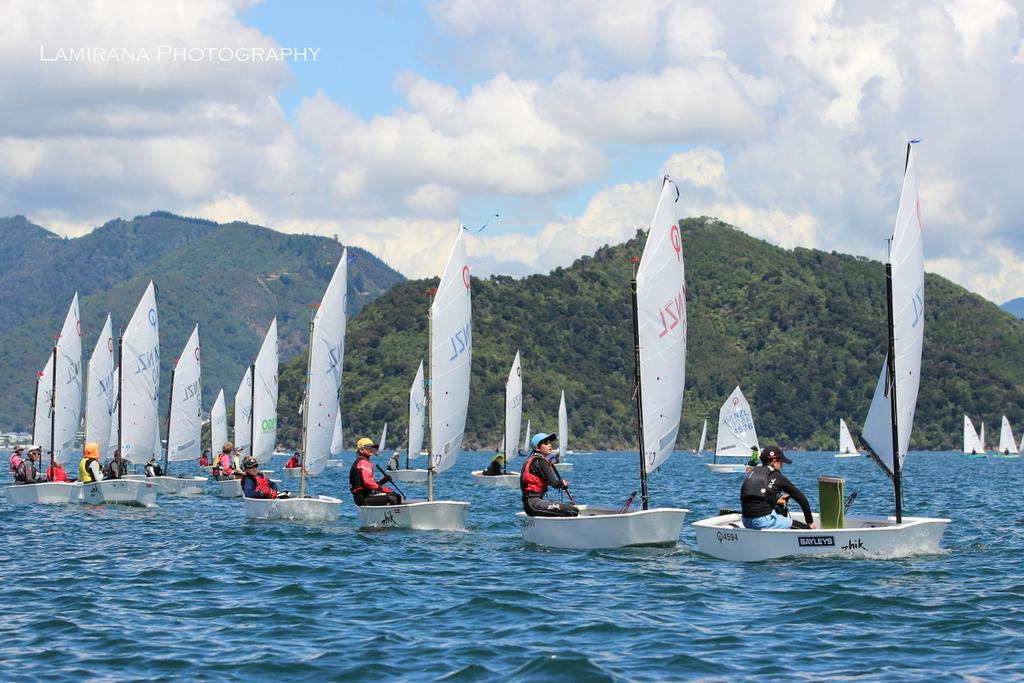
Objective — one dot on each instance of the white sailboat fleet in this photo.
(887, 429)
(326, 356)
(450, 354)
(513, 420)
(736, 434)
(417, 415)
(659, 328)
(847, 448)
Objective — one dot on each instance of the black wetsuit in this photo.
(534, 480)
(494, 469)
(762, 488)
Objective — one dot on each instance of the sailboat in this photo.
(736, 434)
(659, 339)
(417, 414)
(973, 447)
(218, 428)
(563, 436)
(1007, 444)
(847, 448)
(101, 393)
(325, 361)
(58, 409)
(703, 439)
(450, 354)
(887, 430)
(513, 418)
(138, 390)
(184, 421)
(981, 440)
(525, 450)
(337, 443)
(257, 428)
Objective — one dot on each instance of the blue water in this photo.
(193, 591)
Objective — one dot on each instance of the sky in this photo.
(551, 123)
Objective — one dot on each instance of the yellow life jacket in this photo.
(84, 475)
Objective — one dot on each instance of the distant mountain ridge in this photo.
(1015, 307)
(230, 278)
(801, 331)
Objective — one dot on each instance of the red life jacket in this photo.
(530, 482)
(263, 487)
(56, 473)
(203, 460)
(294, 462)
(360, 477)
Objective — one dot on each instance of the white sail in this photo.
(906, 256)
(451, 352)
(417, 412)
(1007, 444)
(703, 437)
(513, 403)
(661, 325)
(382, 444)
(972, 444)
(338, 436)
(846, 444)
(218, 424)
(326, 357)
(140, 380)
(115, 419)
(184, 431)
(68, 402)
(100, 389)
(736, 433)
(243, 413)
(526, 438)
(264, 409)
(563, 426)
(981, 439)
(42, 425)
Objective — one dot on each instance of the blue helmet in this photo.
(541, 436)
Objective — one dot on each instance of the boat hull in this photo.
(726, 468)
(47, 493)
(292, 472)
(847, 455)
(563, 466)
(409, 476)
(862, 536)
(508, 481)
(180, 486)
(604, 528)
(423, 515)
(133, 492)
(206, 468)
(335, 463)
(309, 509)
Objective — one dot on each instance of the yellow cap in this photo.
(365, 443)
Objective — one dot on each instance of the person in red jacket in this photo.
(255, 484)
(56, 472)
(366, 490)
(537, 475)
(294, 461)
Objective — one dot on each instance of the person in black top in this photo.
(116, 468)
(496, 466)
(28, 472)
(766, 491)
(537, 475)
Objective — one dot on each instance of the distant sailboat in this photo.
(337, 443)
(243, 413)
(417, 415)
(972, 442)
(451, 352)
(736, 434)
(563, 436)
(847, 448)
(513, 418)
(1007, 444)
(218, 428)
(525, 450)
(703, 439)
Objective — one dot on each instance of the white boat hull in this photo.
(180, 486)
(232, 488)
(309, 509)
(435, 515)
(847, 455)
(604, 528)
(726, 468)
(335, 463)
(134, 492)
(47, 493)
(206, 468)
(292, 472)
(409, 476)
(509, 481)
(563, 466)
(862, 536)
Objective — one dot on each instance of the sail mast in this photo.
(896, 485)
(53, 408)
(637, 389)
(305, 406)
(252, 411)
(431, 291)
(120, 384)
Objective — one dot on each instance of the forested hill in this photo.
(801, 331)
(232, 279)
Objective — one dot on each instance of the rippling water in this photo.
(191, 590)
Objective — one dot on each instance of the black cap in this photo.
(773, 453)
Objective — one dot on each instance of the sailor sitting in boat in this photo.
(255, 484)
(365, 489)
(89, 465)
(27, 472)
(766, 489)
(153, 468)
(223, 467)
(538, 473)
(393, 463)
(116, 467)
(294, 461)
(495, 468)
